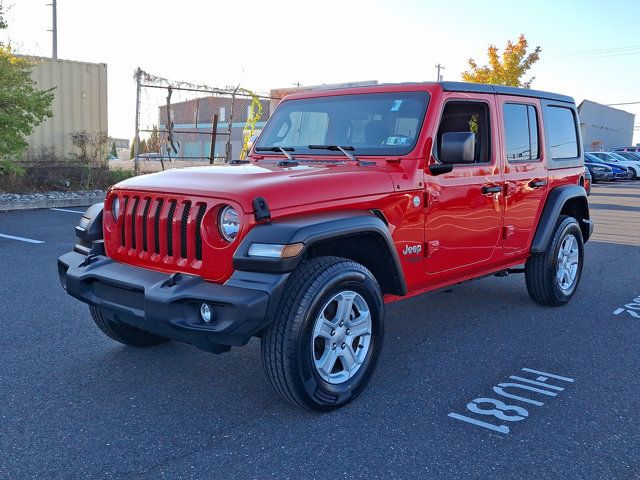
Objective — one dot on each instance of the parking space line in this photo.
(21, 239)
(68, 211)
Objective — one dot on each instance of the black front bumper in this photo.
(170, 305)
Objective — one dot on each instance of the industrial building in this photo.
(80, 103)
(192, 124)
(603, 128)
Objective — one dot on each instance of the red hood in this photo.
(281, 187)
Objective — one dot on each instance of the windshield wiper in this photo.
(336, 148)
(284, 150)
(344, 149)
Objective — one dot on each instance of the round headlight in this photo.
(229, 223)
(115, 208)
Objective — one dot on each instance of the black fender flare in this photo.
(556, 200)
(310, 230)
(89, 231)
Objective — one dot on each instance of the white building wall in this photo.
(603, 127)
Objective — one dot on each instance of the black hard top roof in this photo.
(503, 90)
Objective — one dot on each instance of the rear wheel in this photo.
(324, 342)
(553, 275)
(125, 334)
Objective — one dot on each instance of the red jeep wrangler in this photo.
(350, 199)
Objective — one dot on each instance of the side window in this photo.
(560, 124)
(461, 116)
(521, 132)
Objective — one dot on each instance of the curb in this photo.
(49, 203)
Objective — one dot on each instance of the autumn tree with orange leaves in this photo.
(505, 69)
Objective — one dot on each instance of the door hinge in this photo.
(507, 231)
(432, 247)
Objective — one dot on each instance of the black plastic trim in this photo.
(503, 90)
(169, 305)
(262, 211)
(90, 227)
(556, 200)
(309, 230)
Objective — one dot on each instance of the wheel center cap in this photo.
(341, 334)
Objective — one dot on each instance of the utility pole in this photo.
(54, 27)
(439, 77)
(136, 139)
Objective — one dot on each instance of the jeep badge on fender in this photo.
(412, 249)
(329, 219)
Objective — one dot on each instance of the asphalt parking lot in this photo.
(74, 404)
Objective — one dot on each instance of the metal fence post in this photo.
(229, 148)
(214, 134)
(136, 138)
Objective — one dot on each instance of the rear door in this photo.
(525, 174)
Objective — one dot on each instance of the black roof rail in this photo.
(503, 90)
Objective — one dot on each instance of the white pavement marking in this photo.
(21, 239)
(68, 211)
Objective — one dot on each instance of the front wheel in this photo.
(553, 275)
(324, 342)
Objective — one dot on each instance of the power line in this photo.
(623, 103)
(602, 51)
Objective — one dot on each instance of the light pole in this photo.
(54, 27)
(439, 77)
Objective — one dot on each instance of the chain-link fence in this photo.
(180, 124)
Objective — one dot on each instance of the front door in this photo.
(464, 207)
(525, 175)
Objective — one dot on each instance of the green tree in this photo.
(507, 69)
(113, 152)
(143, 147)
(153, 142)
(22, 105)
(3, 23)
(132, 150)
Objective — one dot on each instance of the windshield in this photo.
(371, 123)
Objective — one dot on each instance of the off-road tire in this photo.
(287, 352)
(125, 334)
(541, 268)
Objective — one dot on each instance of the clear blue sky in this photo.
(590, 49)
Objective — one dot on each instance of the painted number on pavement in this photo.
(496, 414)
(632, 309)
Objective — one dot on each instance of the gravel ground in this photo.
(15, 197)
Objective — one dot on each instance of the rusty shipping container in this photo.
(80, 103)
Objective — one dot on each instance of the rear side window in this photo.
(560, 124)
(521, 132)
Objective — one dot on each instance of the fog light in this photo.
(206, 313)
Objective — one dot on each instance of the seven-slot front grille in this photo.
(161, 227)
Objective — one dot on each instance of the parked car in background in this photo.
(587, 181)
(632, 156)
(598, 171)
(627, 149)
(614, 158)
(619, 172)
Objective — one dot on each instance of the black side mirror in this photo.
(440, 169)
(457, 147)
